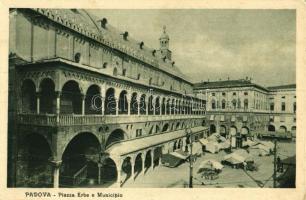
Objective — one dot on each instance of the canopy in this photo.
(243, 153)
(203, 141)
(210, 164)
(197, 148)
(212, 147)
(233, 158)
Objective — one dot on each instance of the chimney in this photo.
(103, 23)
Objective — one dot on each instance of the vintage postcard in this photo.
(153, 101)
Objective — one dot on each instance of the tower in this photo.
(164, 45)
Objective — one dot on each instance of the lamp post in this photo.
(189, 135)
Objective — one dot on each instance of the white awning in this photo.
(222, 118)
(212, 117)
(129, 146)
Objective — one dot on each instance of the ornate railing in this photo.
(68, 120)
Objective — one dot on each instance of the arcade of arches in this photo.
(84, 162)
(72, 100)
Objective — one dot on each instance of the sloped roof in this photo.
(280, 87)
(227, 84)
(86, 23)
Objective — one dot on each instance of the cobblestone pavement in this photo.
(162, 177)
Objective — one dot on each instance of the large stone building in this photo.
(240, 108)
(87, 101)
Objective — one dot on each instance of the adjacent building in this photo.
(241, 109)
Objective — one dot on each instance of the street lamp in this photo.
(189, 135)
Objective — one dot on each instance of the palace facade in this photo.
(241, 109)
(89, 102)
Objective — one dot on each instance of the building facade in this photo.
(241, 109)
(88, 102)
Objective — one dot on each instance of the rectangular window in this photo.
(283, 106)
(272, 107)
(294, 107)
(213, 94)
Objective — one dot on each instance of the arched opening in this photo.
(93, 100)
(35, 154)
(282, 129)
(148, 160)
(168, 107)
(123, 103)
(233, 133)
(223, 104)
(157, 106)
(110, 102)
(127, 168)
(163, 106)
(138, 165)
(157, 156)
(212, 128)
(116, 136)
(293, 131)
(47, 96)
(172, 107)
(79, 160)
(115, 72)
(134, 104)
(233, 130)
(157, 129)
(143, 106)
(271, 128)
(177, 126)
(244, 130)
(234, 103)
(246, 104)
(165, 127)
(108, 172)
(223, 130)
(180, 144)
(213, 104)
(174, 145)
(71, 99)
(28, 96)
(150, 105)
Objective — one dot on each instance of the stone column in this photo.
(132, 168)
(147, 108)
(117, 107)
(56, 172)
(138, 107)
(99, 172)
(143, 157)
(154, 107)
(58, 105)
(38, 103)
(152, 159)
(129, 107)
(83, 104)
(118, 166)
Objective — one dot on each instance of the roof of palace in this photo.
(227, 84)
(281, 87)
(85, 23)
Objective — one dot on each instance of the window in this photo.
(294, 107)
(283, 106)
(246, 93)
(234, 93)
(223, 94)
(283, 97)
(213, 104)
(123, 72)
(272, 107)
(138, 132)
(246, 104)
(213, 94)
(223, 104)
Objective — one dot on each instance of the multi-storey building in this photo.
(86, 101)
(241, 108)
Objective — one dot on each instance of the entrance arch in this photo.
(127, 168)
(143, 106)
(271, 128)
(79, 160)
(282, 129)
(134, 104)
(116, 136)
(109, 172)
(212, 128)
(223, 130)
(123, 102)
(138, 165)
(35, 153)
(244, 130)
(165, 127)
(148, 160)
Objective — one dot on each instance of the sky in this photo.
(218, 44)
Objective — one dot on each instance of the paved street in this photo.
(229, 177)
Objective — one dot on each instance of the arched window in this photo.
(234, 102)
(246, 104)
(223, 104)
(115, 72)
(213, 104)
